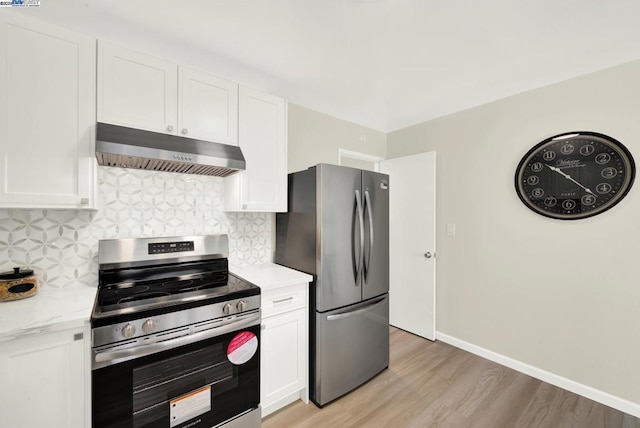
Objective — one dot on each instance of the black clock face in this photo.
(575, 175)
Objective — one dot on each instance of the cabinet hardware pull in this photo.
(283, 300)
(170, 128)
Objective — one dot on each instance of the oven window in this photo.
(195, 385)
(156, 384)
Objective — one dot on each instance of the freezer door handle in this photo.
(367, 204)
(360, 256)
(359, 311)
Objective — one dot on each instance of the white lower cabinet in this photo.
(44, 380)
(284, 351)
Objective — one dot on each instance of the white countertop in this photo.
(270, 276)
(51, 309)
(54, 309)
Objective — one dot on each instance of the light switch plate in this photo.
(451, 229)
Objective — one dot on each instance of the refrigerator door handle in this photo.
(367, 204)
(361, 224)
(349, 314)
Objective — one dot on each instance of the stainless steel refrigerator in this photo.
(337, 229)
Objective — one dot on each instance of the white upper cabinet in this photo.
(144, 92)
(208, 107)
(47, 115)
(263, 140)
(136, 90)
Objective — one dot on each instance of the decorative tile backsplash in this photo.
(61, 246)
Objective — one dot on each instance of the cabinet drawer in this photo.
(283, 299)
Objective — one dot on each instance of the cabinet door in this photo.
(44, 380)
(283, 354)
(263, 140)
(208, 107)
(47, 116)
(137, 90)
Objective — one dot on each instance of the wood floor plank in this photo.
(433, 384)
(504, 404)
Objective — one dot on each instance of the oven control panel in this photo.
(170, 247)
(146, 327)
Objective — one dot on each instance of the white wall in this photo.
(563, 296)
(315, 137)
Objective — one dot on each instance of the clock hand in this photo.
(568, 177)
(558, 170)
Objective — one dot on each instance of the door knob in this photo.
(427, 255)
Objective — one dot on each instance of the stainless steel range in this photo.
(175, 336)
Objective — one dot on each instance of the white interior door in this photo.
(412, 243)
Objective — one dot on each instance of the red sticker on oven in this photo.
(242, 347)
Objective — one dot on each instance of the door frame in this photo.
(344, 153)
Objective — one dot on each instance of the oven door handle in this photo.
(104, 358)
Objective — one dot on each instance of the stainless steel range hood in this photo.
(134, 148)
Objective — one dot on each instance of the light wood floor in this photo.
(432, 384)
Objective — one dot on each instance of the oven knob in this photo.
(241, 305)
(149, 326)
(128, 331)
(226, 309)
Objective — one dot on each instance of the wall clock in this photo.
(575, 175)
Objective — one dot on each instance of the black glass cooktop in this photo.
(127, 294)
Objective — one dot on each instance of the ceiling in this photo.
(385, 64)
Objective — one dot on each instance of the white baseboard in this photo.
(559, 381)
